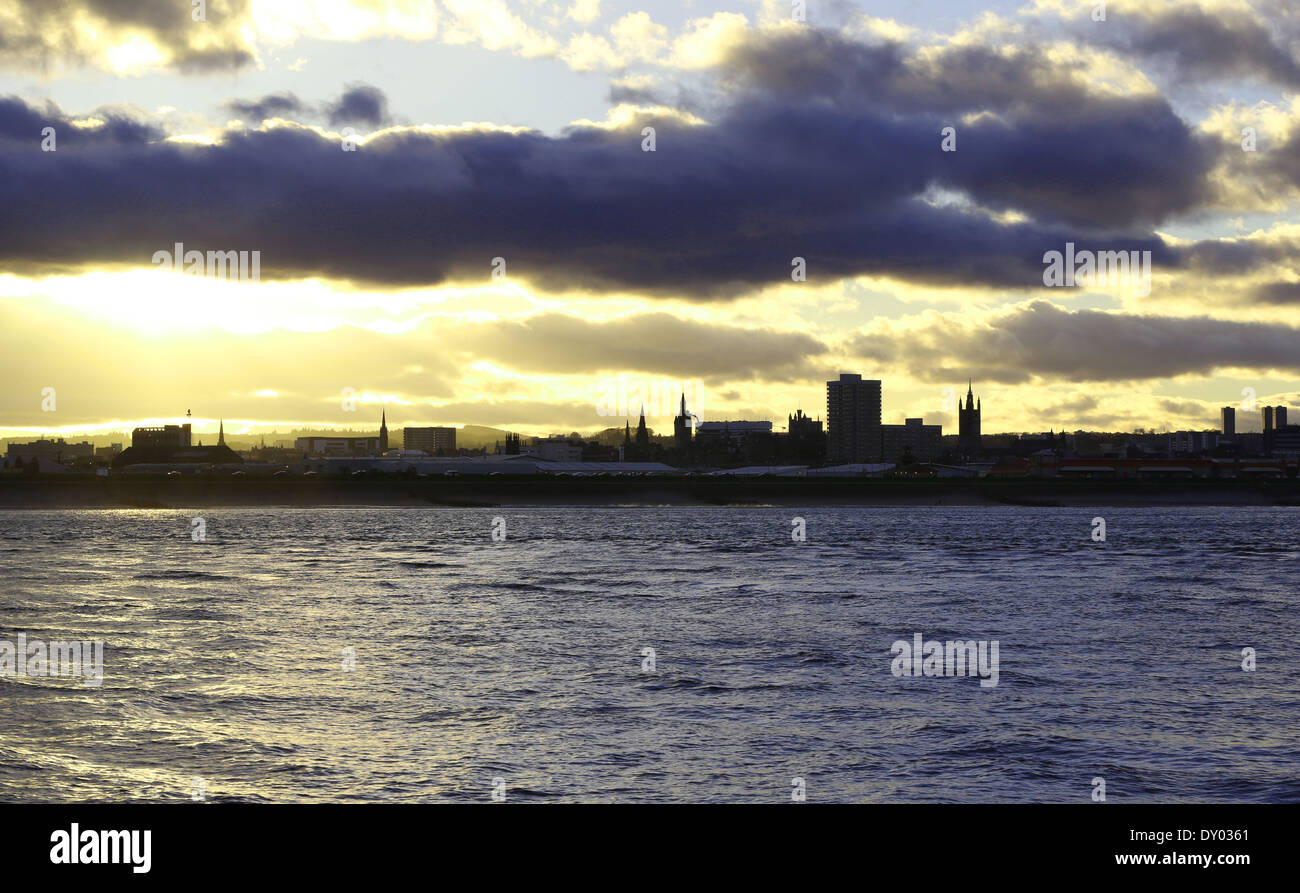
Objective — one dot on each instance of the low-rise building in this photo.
(54, 450)
(913, 438)
(338, 446)
(555, 449)
(1192, 443)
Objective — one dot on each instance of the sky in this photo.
(458, 221)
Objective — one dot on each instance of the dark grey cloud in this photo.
(807, 157)
(273, 105)
(635, 95)
(1048, 146)
(360, 104)
(1203, 45)
(1286, 293)
(1041, 340)
(21, 124)
(1241, 257)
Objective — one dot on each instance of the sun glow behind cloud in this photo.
(155, 302)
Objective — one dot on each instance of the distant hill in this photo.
(471, 437)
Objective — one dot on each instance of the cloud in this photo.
(707, 41)
(360, 104)
(1284, 293)
(1187, 408)
(41, 36)
(276, 105)
(1204, 42)
(637, 37)
(1042, 341)
(108, 129)
(588, 52)
(656, 343)
(584, 11)
(812, 145)
(491, 24)
(537, 366)
(1022, 117)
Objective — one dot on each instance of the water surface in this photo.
(523, 660)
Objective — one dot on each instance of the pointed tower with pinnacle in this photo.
(642, 439)
(682, 427)
(968, 424)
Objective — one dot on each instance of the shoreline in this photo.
(162, 492)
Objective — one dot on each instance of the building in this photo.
(556, 449)
(968, 424)
(853, 419)
(913, 439)
(1285, 442)
(434, 441)
(800, 425)
(1229, 421)
(168, 437)
(1274, 420)
(682, 427)
(1249, 443)
(483, 465)
(58, 451)
(732, 442)
(346, 446)
(1153, 468)
(171, 445)
(642, 439)
(338, 446)
(732, 432)
(804, 441)
(1193, 443)
(637, 450)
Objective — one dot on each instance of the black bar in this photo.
(656, 843)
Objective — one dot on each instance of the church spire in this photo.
(221, 433)
(642, 438)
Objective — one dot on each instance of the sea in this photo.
(655, 654)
